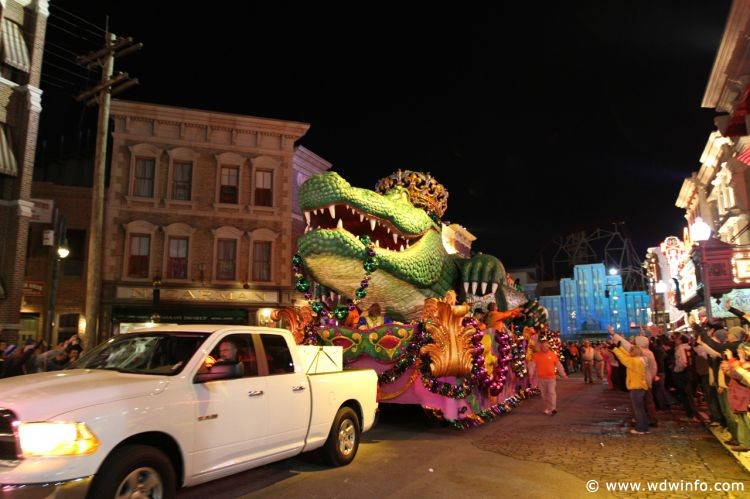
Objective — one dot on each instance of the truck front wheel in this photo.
(135, 471)
(343, 441)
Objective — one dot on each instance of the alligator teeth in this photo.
(373, 223)
(401, 248)
(388, 229)
(484, 288)
(361, 217)
(466, 287)
(340, 224)
(332, 211)
(395, 238)
(377, 243)
(473, 287)
(407, 242)
(307, 217)
(494, 288)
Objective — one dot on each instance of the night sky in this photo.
(539, 119)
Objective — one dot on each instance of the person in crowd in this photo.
(587, 361)
(636, 384)
(493, 318)
(478, 316)
(681, 376)
(744, 318)
(660, 392)
(739, 393)
(599, 356)
(548, 367)
(16, 358)
(643, 344)
(73, 354)
(354, 313)
(573, 360)
(373, 317)
(734, 338)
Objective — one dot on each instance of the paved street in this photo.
(522, 454)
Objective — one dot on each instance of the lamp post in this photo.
(700, 231)
(61, 251)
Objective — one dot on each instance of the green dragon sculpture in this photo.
(403, 220)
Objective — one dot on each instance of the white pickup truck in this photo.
(148, 412)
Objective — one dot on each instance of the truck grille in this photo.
(8, 444)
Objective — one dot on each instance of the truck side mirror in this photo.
(220, 370)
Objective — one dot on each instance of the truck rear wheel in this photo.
(135, 471)
(343, 441)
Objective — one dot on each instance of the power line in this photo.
(57, 7)
(97, 34)
(64, 30)
(86, 78)
(47, 42)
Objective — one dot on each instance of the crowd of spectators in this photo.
(36, 356)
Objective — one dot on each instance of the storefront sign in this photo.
(196, 316)
(688, 281)
(33, 288)
(742, 268)
(199, 295)
(42, 211)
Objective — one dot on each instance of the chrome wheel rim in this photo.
(347, 436)
(141, 483)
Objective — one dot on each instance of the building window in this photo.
(177, 261)
(144, 177)
(140, 245)
(229, 183)
(226, 258)
(262, 261)
(182, 180)
(264, 188)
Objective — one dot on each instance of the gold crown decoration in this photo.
(424, 191)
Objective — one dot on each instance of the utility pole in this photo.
(101, 94)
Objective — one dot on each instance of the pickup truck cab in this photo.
(150, 411)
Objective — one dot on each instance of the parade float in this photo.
(386, 246)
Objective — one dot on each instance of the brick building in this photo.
(201, 206)
(73, 205)
(22, 29)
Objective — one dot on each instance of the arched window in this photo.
(226, 248)
(180, 174)
(144, 170)
(139, 239)
(229, 178)
(262, 255)
(177, 255)
(264, 179)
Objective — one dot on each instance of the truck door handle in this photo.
(298, 388)
(255, 393)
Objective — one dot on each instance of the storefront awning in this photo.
(745, 156)
(15, 51)
(8, 164)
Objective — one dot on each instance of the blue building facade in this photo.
(592, 300)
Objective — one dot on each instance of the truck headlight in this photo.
(56, 439)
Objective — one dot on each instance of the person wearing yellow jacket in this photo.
(636, 383)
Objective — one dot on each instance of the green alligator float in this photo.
(402, 219)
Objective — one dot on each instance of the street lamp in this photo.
(61, 251)
(700, 231)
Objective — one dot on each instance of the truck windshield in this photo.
(144, 353)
